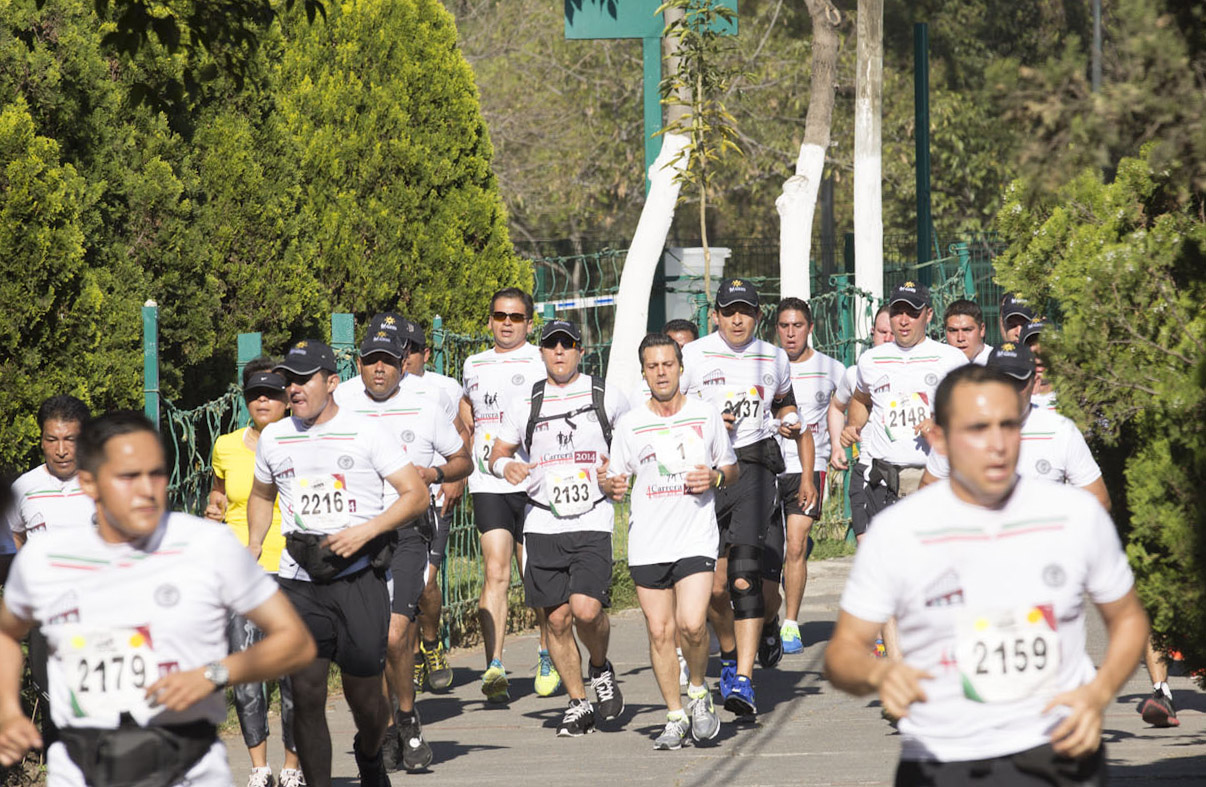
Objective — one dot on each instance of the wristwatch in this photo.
(439, 471)
(217, 674)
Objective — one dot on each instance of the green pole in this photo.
(150, 361)
(250, 347)
(438, 354)
(549, 313)
(921, 109)
(969, 279)
(343, 340)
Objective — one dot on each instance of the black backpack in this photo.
(597, 390)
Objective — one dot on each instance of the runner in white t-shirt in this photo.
(331, 467)
(135, 613)
(49, 496)
(881, 332)
(674, 451)
(987, 574)
(439, 454)
(963, 325)
(814, 378)
(554, 443)
(749, 380)
(1044, 393)
(432, 660)
(490, 379)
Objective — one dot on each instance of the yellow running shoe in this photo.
(494, 683)
(420, 674)
(547, 679)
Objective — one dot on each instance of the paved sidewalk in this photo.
(807, 732)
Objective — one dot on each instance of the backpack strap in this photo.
(534, 413)
(597, 391)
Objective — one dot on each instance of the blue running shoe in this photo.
(740, 699)
(790, 633)
(728, 674)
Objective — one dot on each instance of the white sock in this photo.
(695, 692)
(1162, 686)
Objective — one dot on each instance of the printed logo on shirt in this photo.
(714, 377)
(1054, 575)
(517, 379)
(167, 595)
(1042, 466)
(822, 397)
(408, 436)
(931, 379)
(64, 609)
(471, 384)
(37, 523)
(945, 591)
(565, 439)
(647, 455)
(168, 667)
(585, 457)
(592, 416)
(345, 462)
(768, 378)
(490, 399)
(881, 385)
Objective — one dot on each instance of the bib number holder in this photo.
(108, 670)
(904, 414)
(320, 503)
(1009, 656)
(678, 451)
(570, 492)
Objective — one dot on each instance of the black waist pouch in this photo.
(765, 452)
(311, 553)
(134, 756)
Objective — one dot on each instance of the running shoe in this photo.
(740, 699)
(420, 675)
(705, 722)
(607, 692)
(494, 683)
(260, 777)
(547, 678)
(770, 647)
(372, 769)
(728, 674)
(1158, 710)
(673, 736)
(291, 777)
(684, 673)
(391, 749)
(435, 664)
(416, 754)
(578, 720)
(790, 635)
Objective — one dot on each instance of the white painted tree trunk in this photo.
(797, 206)
(636, 279)
(868, 164)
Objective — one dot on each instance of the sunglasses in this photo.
(257, 393)
(553, 342)
(738, 308)
(292, 378)
(515, 317)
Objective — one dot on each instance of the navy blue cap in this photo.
(733, 291)
(307, 357)
(554, 327)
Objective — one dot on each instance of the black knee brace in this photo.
(744, 563)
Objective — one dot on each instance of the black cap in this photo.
(1012, 359)
(1031, 330)
(270, 381)
(381, 341)
(733, 291)
(412, 332)
(390, 322)
(553, 327)
(307, 357)
(912, 293)
(1013, 306)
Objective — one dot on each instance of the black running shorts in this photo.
(409, 571)
(348, 618)
(500, 511)
(745, 508)
(559, 565)
(663, 576)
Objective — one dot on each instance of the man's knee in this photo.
(399, 634)
(560, 619)
(745, 586)
(586, 611)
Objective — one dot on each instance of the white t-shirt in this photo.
(1052, 448)
(491, 379)
(814, 381)
(429, 438)
(42, 502)
(744, 381)
(1044, 400)
(445, 385)
(567, 457)
(845, 387)
(415, 389)
(981, 358)
(901, 383)
(666, 523)
(329, 476)
(117, 617)
(953, 574)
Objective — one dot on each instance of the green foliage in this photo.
(1123, 264)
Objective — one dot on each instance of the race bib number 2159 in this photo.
(1008, 656)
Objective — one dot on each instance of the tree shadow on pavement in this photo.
(815, 631)
(1178, 770)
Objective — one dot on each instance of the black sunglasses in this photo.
(515, 317)
(563, 341)
(292, 378)
(271, 393)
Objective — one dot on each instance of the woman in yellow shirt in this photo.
(234, 469)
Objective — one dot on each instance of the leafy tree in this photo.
(1123, 264)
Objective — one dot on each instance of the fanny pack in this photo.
(135, 756)
(765, 452)
(901, 480)
(311, 552)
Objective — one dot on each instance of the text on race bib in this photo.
(743, 403)
(678, 450)
(1008, 656)
(904, 415)
(320, 503)
(107, 670)
(570, 491)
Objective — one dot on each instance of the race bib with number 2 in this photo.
(1008, 656)
(320, 503)
(570, 491)
(107, 670)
